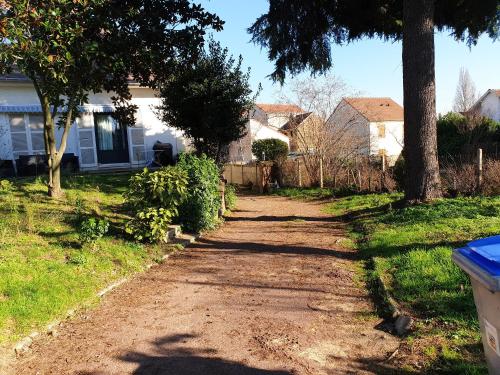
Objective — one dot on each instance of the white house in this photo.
(373, 125)
(96, 138)
(264, 122)
(488, 105)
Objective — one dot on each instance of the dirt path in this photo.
(271, 293)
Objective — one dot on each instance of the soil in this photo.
(272, 292)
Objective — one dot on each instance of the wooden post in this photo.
(321, 173)
(262, 181)
(479, 168)
(222, 189)
(257, 173)
(369, 179)
(242, 175)
(382, 177)
(299, 173)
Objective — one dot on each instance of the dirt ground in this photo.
(270, 293)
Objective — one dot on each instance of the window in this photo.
(36, 130)
(381, 130)
(18, 135)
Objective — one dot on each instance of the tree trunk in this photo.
(420, 133)
(54, 184)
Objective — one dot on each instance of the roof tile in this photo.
(377, 109)
(280, 108)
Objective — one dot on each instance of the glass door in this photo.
(111, 140)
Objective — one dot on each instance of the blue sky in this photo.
(372, 67)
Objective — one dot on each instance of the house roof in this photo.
(280, 108)
(377, 109)
(480, 100)
(295, 121)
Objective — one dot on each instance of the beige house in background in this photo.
(304, 131)
(375, 123)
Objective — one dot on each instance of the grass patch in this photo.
(44, 271)
(304, 193)
(410, 249)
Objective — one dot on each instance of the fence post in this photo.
(321, 173)
(299, 173)
(360, 188)
(222, 188)
(382, 177)
(369, 178)
(479, 168)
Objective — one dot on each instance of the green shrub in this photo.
(199, 211)
(270, 149)
(230, 197)
(154, 198)
(6, 186)
(92, 229)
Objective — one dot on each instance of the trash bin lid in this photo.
(481, 259)
(488, 248)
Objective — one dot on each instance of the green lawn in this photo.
(410, 249)
(44, 271)
(304, 193)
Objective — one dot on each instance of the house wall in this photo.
(392, 143)
(81, 141)
(278, 119)
(306, 136)
(351, 128)
(241, 150)
(490, 107)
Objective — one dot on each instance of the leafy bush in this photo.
(230, 196)
(6, 186)
(199, 211)
(92, 229)
(155, 198)
(458, 134)
(270, 149)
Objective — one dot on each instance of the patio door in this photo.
(111, 140)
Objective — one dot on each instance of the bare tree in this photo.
(313, 135)
(466, 95)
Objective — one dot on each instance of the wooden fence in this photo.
(253, 175)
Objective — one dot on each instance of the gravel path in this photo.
(270, 293)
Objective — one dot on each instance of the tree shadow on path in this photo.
(168, 360)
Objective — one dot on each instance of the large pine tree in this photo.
(299, 34)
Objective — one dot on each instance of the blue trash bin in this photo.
(481, 260)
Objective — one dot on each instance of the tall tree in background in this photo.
(466, 95)
(209, 101)
(70, 48)
(299, 34)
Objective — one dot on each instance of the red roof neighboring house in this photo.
(280, 108)
(377, 109)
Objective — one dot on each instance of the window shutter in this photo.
(86, 140)
(136, 137)
(137, 142)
